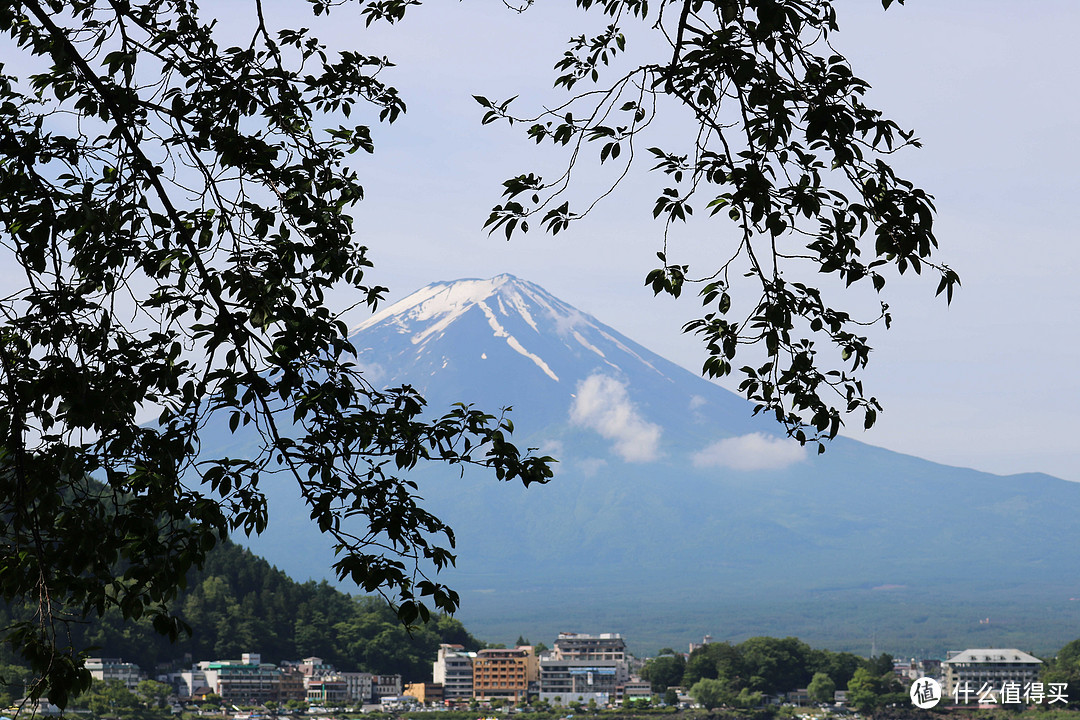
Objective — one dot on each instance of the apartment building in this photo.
(504, 673)
(578, 646)
(972, 670)
(453, 669)
(584, 666)
(359, 686)
(106, 669)
(247, 680)
(327, 690)
(292, 684)
(385, 686)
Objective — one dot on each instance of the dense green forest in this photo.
(760, 665)
(238, 603)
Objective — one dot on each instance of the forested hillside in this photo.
(238, 603)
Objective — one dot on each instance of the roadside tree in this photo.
(821, 688)
(112, 699)
(867, 691)
(711, 693)
(152, 694)
(1065, 668)
(775, 665)
(663, 671)
(749, 699)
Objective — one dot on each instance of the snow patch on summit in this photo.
(512, 341)
(431, 312)
(631, 352)
(523, 309)
(581, 339)
(446, 301)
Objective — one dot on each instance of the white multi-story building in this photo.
(988, 668)
(578, 646)
(314, 667)
(584, 666)
(358, 684)
(246, 680)
(564, 681)
(327, 690)
(385, 686)
(453, 669)
(106, 669)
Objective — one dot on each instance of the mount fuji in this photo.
(674, 512)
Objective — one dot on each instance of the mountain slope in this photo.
(667, 487)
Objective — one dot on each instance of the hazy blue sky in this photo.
(991, 88)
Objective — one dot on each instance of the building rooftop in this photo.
(993, 655)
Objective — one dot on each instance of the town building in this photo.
(578, 646)
(327, 690)
(583, 667)
(453, 668)
(358, 686)
(563, 681)
(972, 670)
(426, 693)
(385, 686)
(248, 680)
(292, 684)
(504, 673)
(799, 696)
(633, 689)
(106, 669)
(192, 684)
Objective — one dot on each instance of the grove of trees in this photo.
(238, 603)
(740, 675)
(1065, 668)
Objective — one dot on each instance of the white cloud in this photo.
(755, 451)
(589, 467)
(552, 447)
(602, 404)
(373, 372)
(696, 401)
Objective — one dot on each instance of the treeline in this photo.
(723, 674)
(238, 603)
(762, 664)
(741, 675)
(1065, 668)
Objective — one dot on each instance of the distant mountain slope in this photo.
(668, 487)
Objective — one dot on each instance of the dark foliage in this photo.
(177, 209)
(785, 148)
(238, 603)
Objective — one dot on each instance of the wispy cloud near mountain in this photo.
(602, 403)
(755, 451)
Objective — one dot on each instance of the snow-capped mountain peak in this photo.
(442, 302)
(505, 342)
(514, 314)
